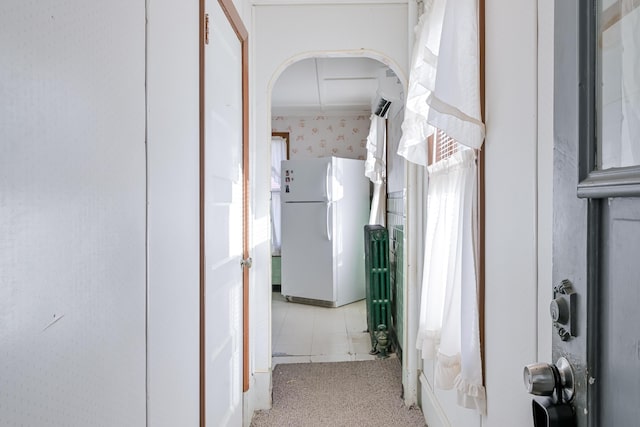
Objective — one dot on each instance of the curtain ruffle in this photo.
(471, 395)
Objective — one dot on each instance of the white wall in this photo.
(280, 33)
(512, 201)
(72, 213)
(173, 221)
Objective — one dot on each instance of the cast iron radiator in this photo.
(378, 293)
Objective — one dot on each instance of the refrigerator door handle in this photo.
(327, 182)
(329, 228)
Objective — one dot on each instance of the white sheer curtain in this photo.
(448, 330)
(278, 153)
(444, 94)
(444, 80)
(375, 168)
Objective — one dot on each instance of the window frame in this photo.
(594, 183)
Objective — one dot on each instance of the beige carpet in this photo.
(366, 393)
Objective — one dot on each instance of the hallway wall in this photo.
(72, 213)
(511, 175)
(173, 220)
(519, 108)
(74, 217)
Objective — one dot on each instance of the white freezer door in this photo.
(307, 251)
(306, 180)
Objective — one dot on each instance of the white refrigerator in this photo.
(325, 206)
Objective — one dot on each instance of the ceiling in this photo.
(328, 85)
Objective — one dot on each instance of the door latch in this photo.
(563, 310)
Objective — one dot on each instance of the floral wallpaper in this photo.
(321, 135)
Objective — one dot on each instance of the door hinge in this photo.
(206, 28)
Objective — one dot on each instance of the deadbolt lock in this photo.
(563, 310)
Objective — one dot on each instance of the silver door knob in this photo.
(541, 379)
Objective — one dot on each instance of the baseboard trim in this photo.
(433, 413)
(257, 397)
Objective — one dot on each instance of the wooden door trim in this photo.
(201, 179)
(233, 16)
(481, 195)
(241, 32)
(285, 136)
(245, 210)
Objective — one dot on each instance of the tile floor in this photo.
(305, 333)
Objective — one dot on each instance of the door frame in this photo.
(243, 35)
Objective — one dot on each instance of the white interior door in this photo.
(223, 211)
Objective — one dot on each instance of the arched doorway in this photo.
(324, 103)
